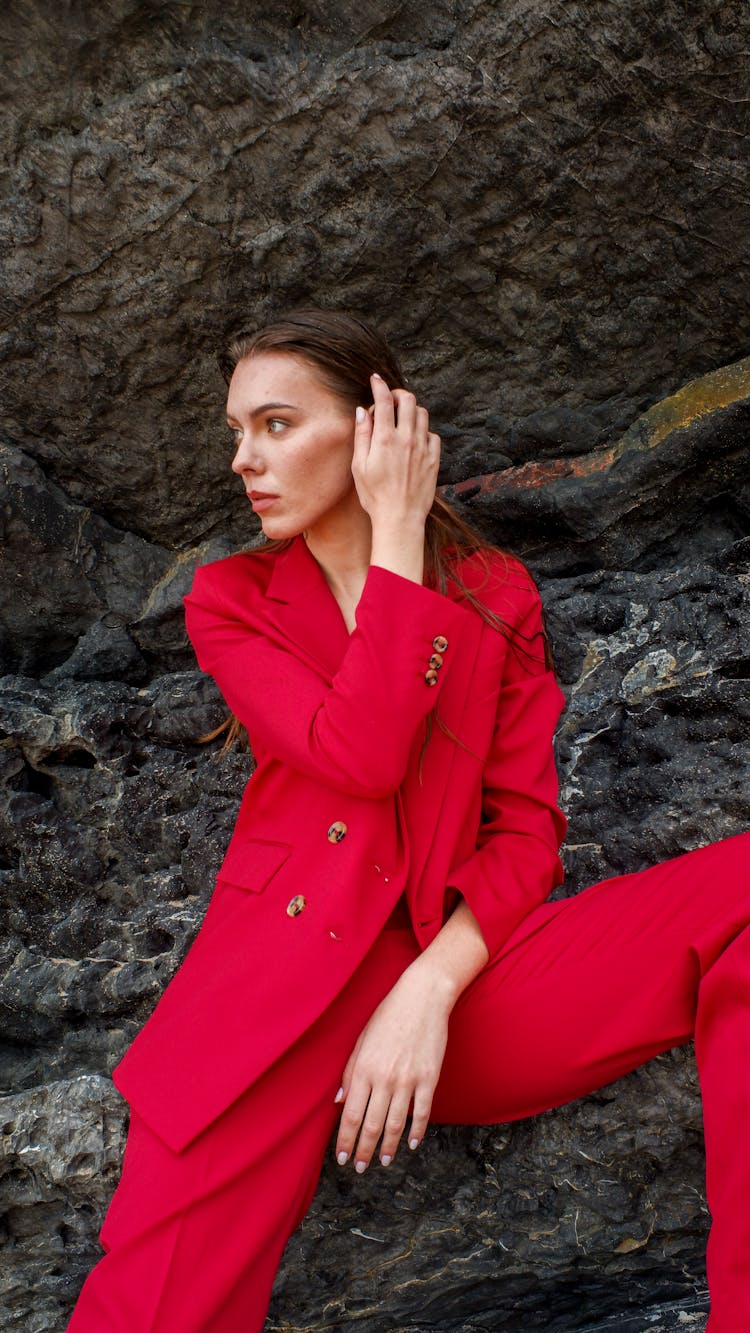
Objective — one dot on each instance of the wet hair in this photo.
(345, 351)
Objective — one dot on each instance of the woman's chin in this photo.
(278, 529)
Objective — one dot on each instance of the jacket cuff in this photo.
(425, 625)
(532, 870)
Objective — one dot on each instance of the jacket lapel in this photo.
(304, 609)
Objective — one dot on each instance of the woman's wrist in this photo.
(455, 957)
(399, 547)
(442, 986)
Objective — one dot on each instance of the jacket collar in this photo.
(296, 573)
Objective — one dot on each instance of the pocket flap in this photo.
(251, 862)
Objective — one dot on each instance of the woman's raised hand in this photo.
(395, 467)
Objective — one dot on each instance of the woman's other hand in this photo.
(399, 1053)
(395, 467)
(396, 1060)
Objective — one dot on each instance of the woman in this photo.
(379, 950)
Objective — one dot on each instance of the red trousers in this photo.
(586, 989)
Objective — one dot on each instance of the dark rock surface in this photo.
(546, 206)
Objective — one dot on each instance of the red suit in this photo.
(353, 842)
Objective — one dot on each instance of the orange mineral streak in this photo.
(696, 399)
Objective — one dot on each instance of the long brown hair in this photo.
(345, 351)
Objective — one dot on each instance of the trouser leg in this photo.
(722, 1047)
(592, 986)
(194, 1239)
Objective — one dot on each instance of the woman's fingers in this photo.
(362, 438)
(352, 1116)
(420, 1116)
(405, 413)
(397, 413)
(363, 1115)
(370, 1113)
(396, 416)
(422, 424)
(384, 413)
(372, 1127)
(394, 1126)
(346, 1077)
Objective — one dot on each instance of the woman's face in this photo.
(294, 440)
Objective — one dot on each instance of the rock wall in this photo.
(545, 206)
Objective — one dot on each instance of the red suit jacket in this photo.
(340, 814)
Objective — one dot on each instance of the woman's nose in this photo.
(247, 458)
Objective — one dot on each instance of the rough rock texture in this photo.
(546, 206)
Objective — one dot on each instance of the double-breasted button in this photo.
(436, 661)
(337, 831)
(431, 676)
(440, 643)
(296, 905)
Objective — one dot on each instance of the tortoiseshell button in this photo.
(337, 831)
(440, 643)
(436, 661)
(296, 905)
(431, 676)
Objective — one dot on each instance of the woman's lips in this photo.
(260, 502)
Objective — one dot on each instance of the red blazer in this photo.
(338, 815)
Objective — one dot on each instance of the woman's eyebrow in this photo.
(265, 407)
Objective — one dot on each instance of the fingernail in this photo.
(413, 1143)
(342, 1158)
(376, 376)
(386, 1159)
(360, 1167)
(339, 1095)
(360, 414)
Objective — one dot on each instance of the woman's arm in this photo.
(399, 1053)
(516, 865)
(353, 733)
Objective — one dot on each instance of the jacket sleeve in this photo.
(516, 865)
(354, 733)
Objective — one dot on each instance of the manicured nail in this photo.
(342, 1157)
(339, 1095)
(360, 1167)
(360, 414)
(386, 1159)
(376, 376)
(413, 1143)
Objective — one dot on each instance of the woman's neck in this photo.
(342, 545)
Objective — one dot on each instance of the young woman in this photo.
(379, 951)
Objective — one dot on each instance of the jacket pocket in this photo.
(251, 863)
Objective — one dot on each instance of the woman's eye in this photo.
(275, 425)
